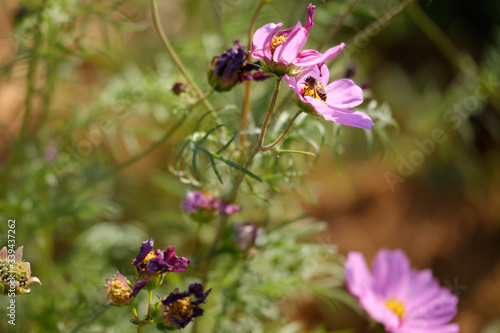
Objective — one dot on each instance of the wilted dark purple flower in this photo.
(230, 67)
(153, 264)
(178, 309)
(119, 290)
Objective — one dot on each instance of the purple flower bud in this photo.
(230, 68)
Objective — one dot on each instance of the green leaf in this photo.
(230, 163)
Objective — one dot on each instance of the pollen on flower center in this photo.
(396, 306)
(181, 309)
(118, 291)
(277, 40)
(149, 256)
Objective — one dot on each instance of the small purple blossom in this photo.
(341, 95)
(202, 206)
(403, 299)
(200, 200)
(178, 309)
(118, 290)
(152, 265)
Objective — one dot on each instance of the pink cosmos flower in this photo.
(340, 96)
(404, 300)
(280, 50)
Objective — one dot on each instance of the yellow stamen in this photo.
(308, 91)
(149, 256)
(277, 40)
(181, 309)
(396, 306)
(118, 291)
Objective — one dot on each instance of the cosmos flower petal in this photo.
(344, 94)
(358, 277)
(341, 116)
(424, 288)
(313, 57)
(310, 20)
(391, 270)
(262, 40)
(287, 52)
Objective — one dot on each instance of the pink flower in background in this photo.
(202, 206)
(335, 101)
(403, 299)
(280, 51)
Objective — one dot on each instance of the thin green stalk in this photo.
(246, 98)
(173, 54)
(150, 303)
(269, 113)
(270, 146)
(134, 312)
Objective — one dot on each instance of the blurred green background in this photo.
(430, 186)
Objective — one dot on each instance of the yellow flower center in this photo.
(310, 91)
(277, 40)
(396, 306)
(149, 256)
(181, 309)
(118, 291)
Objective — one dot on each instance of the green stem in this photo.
(134, 312)
(269, 113)
(150, 302)
(175, 58)
(270, 146)
(246, 98)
